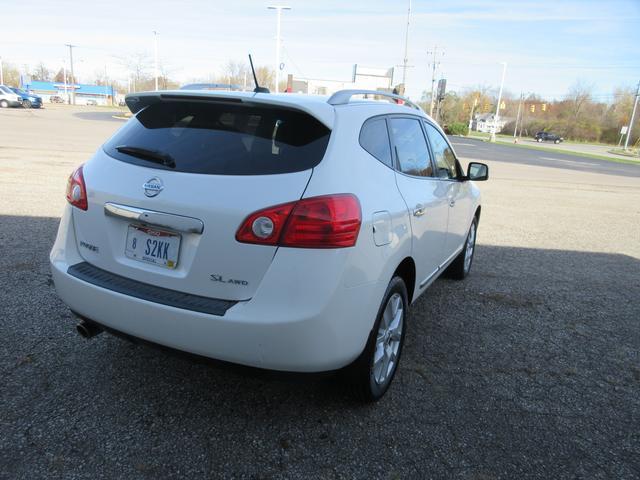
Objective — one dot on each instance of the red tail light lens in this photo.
(265, 226)
(330, 221)
(76, 190)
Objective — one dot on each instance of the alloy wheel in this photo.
(385, 357)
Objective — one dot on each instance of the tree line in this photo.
(581, 115)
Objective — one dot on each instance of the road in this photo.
(481, 150)
(530, 368)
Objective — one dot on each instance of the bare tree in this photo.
(235, 73)
(41, 72)
(138, 65)
(579, 95)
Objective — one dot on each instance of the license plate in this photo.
(152, 246)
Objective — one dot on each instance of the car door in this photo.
(458, 194)
(425, 196)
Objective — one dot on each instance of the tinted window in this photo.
(223, 139)
(411, 147)
(374, 138)
(442, 154)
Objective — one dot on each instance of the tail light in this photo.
(76, 190)
(329, 221)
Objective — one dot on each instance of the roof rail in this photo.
(342, 97)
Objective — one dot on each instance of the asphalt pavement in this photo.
(482, 150)
(530, 368)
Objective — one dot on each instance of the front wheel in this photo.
(372, 372)
(539, 140)
(461, 266)
(26, 103)
(556, 141)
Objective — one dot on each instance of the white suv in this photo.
(279, 231)
(9, 98)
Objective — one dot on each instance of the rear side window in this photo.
(374, 138)
(221, 139)
(411, 147)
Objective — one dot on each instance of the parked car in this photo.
(29, 100)
(56, 99)
(283, 232)
(548, 137)
(8, 98)
(91, 102)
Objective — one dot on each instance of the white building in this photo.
(364, 78)
(484, 122)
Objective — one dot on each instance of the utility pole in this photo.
(633, 116)
(492, 138)
(155, 49)
(405, 62)
(278, 9)
(434, 68)
(515, 130)
(473, 107)
(73, 78)
(64, 77)
(1, 72)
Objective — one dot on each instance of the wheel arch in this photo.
(407, 271)
(477, 214)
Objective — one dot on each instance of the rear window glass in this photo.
(220, 138)
(374, 138)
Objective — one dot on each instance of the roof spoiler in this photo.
(343, 97)
(138, 101)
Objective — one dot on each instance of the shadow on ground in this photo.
(528, 367)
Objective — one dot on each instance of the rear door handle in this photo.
(419, 210)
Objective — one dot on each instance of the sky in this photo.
(548, 45)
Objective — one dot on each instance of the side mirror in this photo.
(477, 171)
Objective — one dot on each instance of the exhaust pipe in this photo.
(88, 329)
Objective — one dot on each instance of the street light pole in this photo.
(1, 72)
(633, 117)
(73, 78)
(405, 62)
(497, 115)
(155, 45)
(278, 9)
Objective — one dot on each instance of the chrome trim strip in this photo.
(151, 217)
(426, 280)
(444, 265)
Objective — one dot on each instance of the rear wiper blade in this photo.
(146, 154)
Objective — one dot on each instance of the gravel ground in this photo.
(529, 368)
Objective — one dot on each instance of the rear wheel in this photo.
(4, 104)
(556, 141)
(461, 266)
(372, 373)
(539, 140)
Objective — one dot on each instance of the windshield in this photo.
(221, 138)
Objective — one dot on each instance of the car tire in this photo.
(461, 266)
(556, 141)
(26, 104)
(4, 104)
(369, 378)
(539, 140)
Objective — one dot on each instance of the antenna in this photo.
(258, 88)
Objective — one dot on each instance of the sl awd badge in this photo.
(233, 281)
(153, 187)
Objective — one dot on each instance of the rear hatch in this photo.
(167, 192)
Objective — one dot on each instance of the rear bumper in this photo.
(300, 319)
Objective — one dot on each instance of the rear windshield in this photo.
(221, 138)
